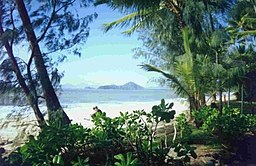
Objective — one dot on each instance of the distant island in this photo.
(127, 86)
(88, 87)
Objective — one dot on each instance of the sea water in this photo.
(71, 96)
(78, 103)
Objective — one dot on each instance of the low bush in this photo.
(230, 125)
(129, 139)
(184, 127)
(202, 114)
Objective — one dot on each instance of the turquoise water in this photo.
(73, 96)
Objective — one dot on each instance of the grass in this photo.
(199, 136)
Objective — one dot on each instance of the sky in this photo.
(107, 58)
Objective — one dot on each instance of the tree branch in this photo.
(13, 25)
(54, 12)
(42, 97)
(65, 5)
(49, 23)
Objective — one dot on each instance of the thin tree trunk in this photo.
(220, 100)
(242, 98)
(55, 110)
(202, 100)
(21, 81)
(29, 96)
(219, 85)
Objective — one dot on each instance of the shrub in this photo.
(55, 144)
(184, 128)
(127, 139)
(202, 114)
(229, 125)
(126, 160)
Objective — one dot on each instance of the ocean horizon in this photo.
(79, 103)
(71, 96)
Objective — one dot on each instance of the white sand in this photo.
(81, 113)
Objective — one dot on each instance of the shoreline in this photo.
(113, 110)
(81, 112)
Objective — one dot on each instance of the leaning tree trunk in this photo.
(55, 110)
(31, 99)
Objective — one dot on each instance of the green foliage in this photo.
(230, 124)
(125, 140)
(140, 129)
(185, 151)
(183, 126)
(54, 145)
(162, 113)
(125, 160)
(80, 162)
(200, 136)
(202, 114)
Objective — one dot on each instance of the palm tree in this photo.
(186, 74)
(143, 14)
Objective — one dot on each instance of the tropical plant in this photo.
(242, 31)
(188, 77)
(80, 162)
(232, 123)
(126, 140)
(242, 22)
(185, 151)
(184, 128)
(194, 29)
(201, 115)
(125, 160)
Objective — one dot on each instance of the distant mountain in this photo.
(131, 86)
(109, 87)
(127, 86)
(88, 87)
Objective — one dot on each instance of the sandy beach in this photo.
(81, 113)
(78, 114)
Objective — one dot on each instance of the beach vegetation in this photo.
(184, 127)
(130, 139)
(194, 48)
(192, 33)
(233, 124)
(125, 160)
(202, 48)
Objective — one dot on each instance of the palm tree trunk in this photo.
(202, 100)
(53, 105)
(192, 106)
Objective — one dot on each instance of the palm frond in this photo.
(140, 19)
(175, 83)
(120, 22)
